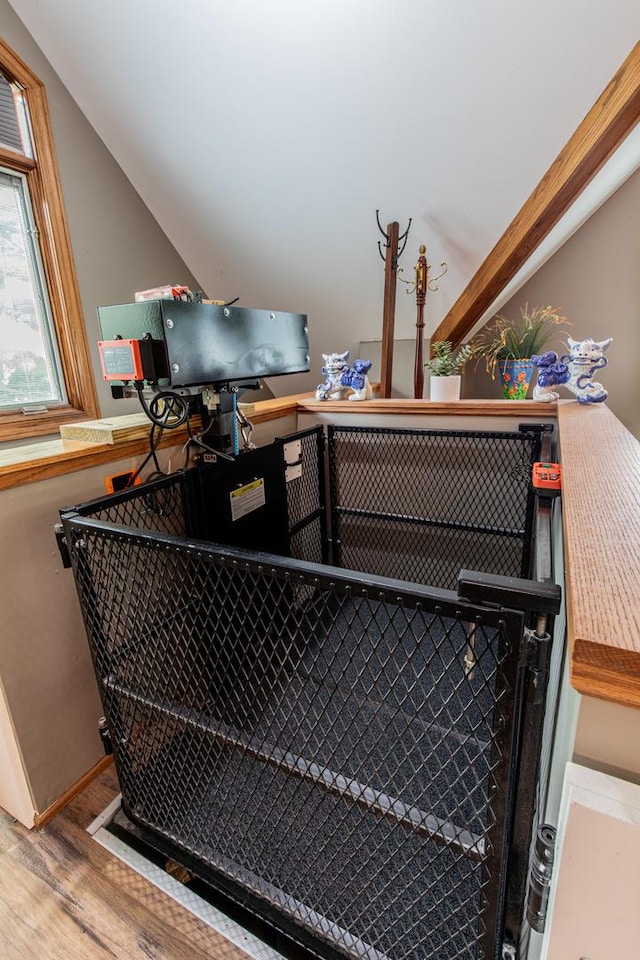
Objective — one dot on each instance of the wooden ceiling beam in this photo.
(610, 120)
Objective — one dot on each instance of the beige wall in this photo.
(50, 708)
(595, 279)
(50, 699)
(15, 795)
(608, 738)
(45, 667)
(118, 246)
(50, 703)
(595, 882)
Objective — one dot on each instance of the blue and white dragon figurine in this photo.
(341, 378)
(573, 370)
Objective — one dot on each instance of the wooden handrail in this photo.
(614, 114)
(602, 551)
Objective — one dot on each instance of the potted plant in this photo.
(444, 368)
(508, 346)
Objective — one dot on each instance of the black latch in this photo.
(512, 593)
(538, 428)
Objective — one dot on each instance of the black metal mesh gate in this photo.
(334, 749)
(426, 503)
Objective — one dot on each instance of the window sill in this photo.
(53, 458)
(56, 457)
(17, 426)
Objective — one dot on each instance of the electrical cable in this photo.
(153, 446)
(196, 440)
(167, 410)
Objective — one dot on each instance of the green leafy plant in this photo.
(520, 339)
(445, 363)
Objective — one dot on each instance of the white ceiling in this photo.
(264, 135)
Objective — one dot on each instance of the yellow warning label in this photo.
(247, 498)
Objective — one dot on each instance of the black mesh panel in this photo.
(422, 504)
(336, 749)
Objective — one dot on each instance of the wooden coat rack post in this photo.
(390, 257)
(422, 278)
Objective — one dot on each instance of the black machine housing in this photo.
(195, 344)
(206, 352)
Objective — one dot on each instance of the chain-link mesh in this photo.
(336, 748)
(306, 507)
(159, 506)
(422, 504)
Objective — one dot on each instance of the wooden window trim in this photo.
(55, 244)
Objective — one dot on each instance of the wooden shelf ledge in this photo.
(601, 493)
(54, 458)
(460, 408)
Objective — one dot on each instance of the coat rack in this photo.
(423, 282)
(393, 251)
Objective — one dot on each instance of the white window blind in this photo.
(29, 362)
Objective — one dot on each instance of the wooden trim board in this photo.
(42, 819)
(132, 426)
(54, 458)
(264, 410)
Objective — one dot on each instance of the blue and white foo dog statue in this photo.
(573, 370)
(342, 378)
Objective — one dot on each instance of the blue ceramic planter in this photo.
(516, 377)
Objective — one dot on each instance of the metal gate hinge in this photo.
(535, 648)
(530, 648)
(536, 658)
(63, 546)
(540, 871)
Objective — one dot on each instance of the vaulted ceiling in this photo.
(263, 135)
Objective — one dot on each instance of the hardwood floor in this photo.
(64, 897)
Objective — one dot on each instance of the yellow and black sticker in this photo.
(247, 498)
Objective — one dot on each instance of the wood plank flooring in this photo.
(64, 897)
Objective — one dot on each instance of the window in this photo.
(30, 370)
(45, 367)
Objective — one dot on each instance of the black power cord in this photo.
(154, 440)
(167, 411)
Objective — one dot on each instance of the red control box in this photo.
(121, 360)
(547, 478)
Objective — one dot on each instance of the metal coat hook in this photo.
(423, 283)
(387, 240)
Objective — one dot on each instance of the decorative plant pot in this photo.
(516, 377)
(445, 389)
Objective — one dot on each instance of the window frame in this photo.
(45, 192)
